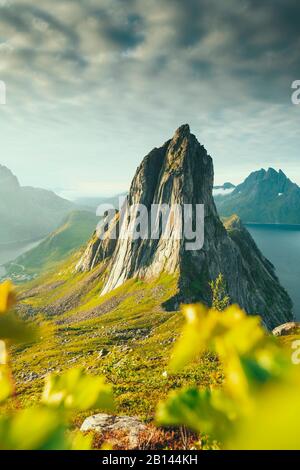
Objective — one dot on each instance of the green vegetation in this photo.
(73, 233)
(45, 426)
(258, 405)
(224, 375)
(124, 335)
(220, 298)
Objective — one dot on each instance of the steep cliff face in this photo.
(178, 173)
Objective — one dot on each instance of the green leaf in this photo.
(75, 390)
(200, 410)
(32, 429)
(15, 330)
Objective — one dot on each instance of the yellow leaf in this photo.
(273, 424)
(13, 329)
(3, 353)
(80, 441)
(193, 339)
(7, 296)
(6, 386)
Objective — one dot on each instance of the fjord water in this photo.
(9, 252)
(281, 245)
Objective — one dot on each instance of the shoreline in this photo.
(21, 242)
(10, 252)
(272, 225)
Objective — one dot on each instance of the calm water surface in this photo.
(9, 252)
(281, 245)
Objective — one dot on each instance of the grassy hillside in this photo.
(74, 232)
(124, 335)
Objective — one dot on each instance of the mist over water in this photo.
(9, 252)
(281, 245)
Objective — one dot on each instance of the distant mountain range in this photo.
(74, 232)
(92, 203)
(28, 213)
(266, 196)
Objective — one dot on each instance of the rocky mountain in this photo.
(27, 213)
(181, 172)
(264, 197)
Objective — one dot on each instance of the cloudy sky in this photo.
(94, 85)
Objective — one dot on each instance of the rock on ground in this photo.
(286, 329)
(107, 423)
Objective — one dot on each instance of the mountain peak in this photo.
(265, 196)
(179, 173)
(27, 213)
(8, 181)
(183, 131)
(272, 172)
(263, 176)
(181, 138)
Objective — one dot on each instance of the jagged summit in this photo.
(266, 196)
(181, 172)
(183, 131)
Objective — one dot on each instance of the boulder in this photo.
(291, 328)
(107, 423)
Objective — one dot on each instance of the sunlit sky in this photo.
(94, 85)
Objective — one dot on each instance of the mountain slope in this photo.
(181, 172)
(264, 197)
(74, 232)
(28, 213)
(126, 336)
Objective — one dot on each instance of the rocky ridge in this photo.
(181, 172)
(266, 196)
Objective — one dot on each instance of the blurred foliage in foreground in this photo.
(44, 427)
(258, 406)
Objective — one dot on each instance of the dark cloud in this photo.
(128, 35)
(25, 17)
(249, 40)
(190, 21)
(152, 51)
